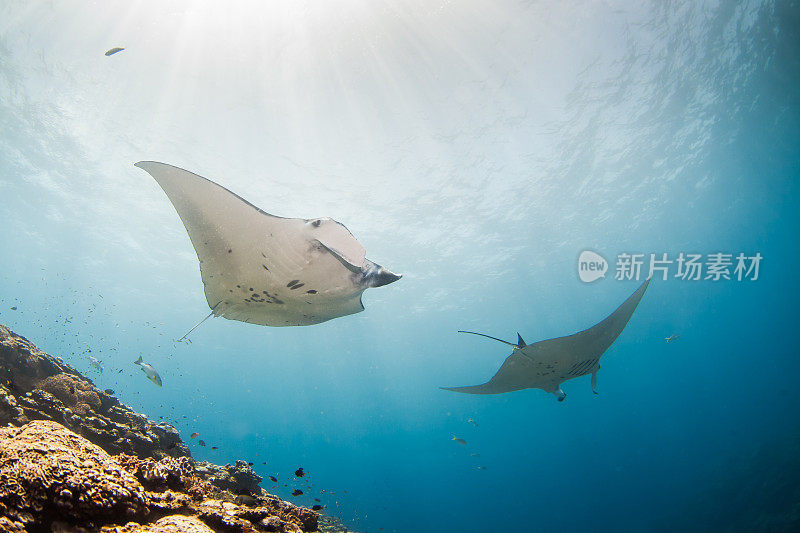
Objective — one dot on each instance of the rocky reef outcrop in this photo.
(238, 478)
(38, 386)
(73, 458)
(48, 472)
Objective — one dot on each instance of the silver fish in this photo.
(94, 363)
(149, 371)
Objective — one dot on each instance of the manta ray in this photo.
(265, 269)
(547, 364)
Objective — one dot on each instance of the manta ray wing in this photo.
(260, 268)
(546, 364)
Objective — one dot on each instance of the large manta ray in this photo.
(547, 364)
(263, 269)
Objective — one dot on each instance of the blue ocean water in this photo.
(478, 149)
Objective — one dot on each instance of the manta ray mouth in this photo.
(378, 276)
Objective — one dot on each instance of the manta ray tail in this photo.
(520, 344)
(213, 309)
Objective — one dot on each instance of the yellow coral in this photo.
(73, 392)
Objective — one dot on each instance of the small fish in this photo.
(273, 479)
(316, 507)
(481, 467)
(114, 50)
(249, 464)
(458, 440)
(194, 435)
(317, 500)
(214, 448)
(95, 364)
(672, 337)
(110, 392)
(246, 499)
(299, 472)
(297, 492)
(13, 308)
(149, 371)
(201, 442)
(471, 421)
(264, 463)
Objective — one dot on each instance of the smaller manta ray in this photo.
(114, 50)
(547, 364)
(149, 371)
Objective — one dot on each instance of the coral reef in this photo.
(47, 471)
(37, 386)
(52, 476)
(236, 478)
(73, 458)
(166, 473)
(74, 393)
(168, 524)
